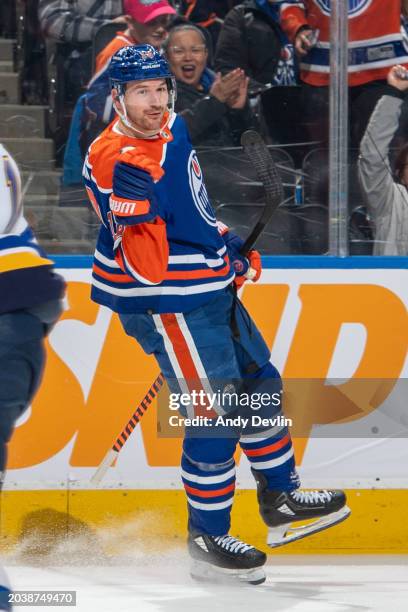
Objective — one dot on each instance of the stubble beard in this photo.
(145, 124)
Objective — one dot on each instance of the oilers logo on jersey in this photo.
(285, 72)
(198, 190)
(356, 7)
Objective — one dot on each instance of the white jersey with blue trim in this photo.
(25, 271)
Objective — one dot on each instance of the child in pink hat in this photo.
(144, 11)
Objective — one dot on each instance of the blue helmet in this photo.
(138, 63)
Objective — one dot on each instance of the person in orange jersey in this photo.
(375, 44)
(147, 24)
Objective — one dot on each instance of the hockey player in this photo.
(147, 24)
(30, 302)
(166, 266)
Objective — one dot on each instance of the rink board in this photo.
(322, 317)
(156, 520)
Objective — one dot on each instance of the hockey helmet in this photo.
(138, 63)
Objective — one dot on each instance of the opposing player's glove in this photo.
(133, 200)
(245, 267)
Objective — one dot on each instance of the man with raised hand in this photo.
(386, 187)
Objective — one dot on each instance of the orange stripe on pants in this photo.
(185, 360)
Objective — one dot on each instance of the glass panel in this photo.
(338, 155)
(377, 125)
(47, 125)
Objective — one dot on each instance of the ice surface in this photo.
(122, 569)
(145, 582)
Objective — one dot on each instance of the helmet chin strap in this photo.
(143, 133)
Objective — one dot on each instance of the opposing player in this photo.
(30, 303)
(167, 267)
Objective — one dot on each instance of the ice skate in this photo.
(223, 559)
(279, 510)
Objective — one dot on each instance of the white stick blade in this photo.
(109, 458)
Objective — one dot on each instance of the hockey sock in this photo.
(274, 457)
(210, 492)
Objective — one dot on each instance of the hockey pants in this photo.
(217, 347)
(21, 366)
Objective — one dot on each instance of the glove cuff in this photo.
(123, 207)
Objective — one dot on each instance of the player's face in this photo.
(153, 32)
(146, 102)
(187, 55)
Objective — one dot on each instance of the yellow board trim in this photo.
(18, 261)
(157, 519)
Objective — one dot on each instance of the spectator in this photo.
(376, 42)
(215, 107)
(386, 191)
(250, 39)
(76, 22)
(206, 14)
(147, 23)
(72, 24)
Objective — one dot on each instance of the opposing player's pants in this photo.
(21, 365)
(218, 348)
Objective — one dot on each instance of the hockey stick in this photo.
(121, 440)
(267, 172)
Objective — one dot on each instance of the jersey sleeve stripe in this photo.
(22, 259)
(116, 278)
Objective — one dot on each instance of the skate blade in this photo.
(284, 534)
(205, 572)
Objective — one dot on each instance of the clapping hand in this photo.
(239, 98)
(227, 87)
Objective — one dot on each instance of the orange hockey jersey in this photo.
(375, 39)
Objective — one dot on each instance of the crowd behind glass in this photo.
(254, 64)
